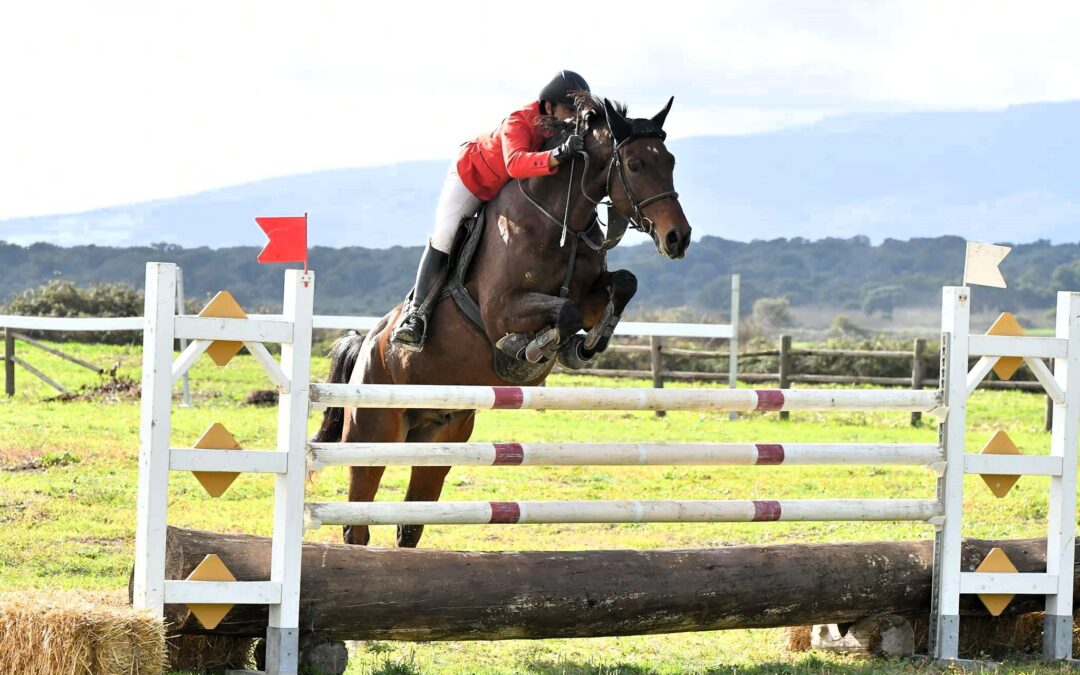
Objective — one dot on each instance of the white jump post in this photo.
(157, 457)
(1063, 386)
(1064, 439)
(155, 424)
(945, 603)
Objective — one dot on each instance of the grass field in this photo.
(68, 476)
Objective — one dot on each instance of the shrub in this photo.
(65, 299)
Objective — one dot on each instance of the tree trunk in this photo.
(359, 593)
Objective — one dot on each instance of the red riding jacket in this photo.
(489, 161)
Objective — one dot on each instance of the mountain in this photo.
(1004, 175)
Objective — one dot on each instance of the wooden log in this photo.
(360, 593)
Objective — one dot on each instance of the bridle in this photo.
(639, 221)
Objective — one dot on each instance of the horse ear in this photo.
(620, 128)
(658, 118)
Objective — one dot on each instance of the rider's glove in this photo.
(570, 147)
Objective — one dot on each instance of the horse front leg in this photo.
(367, 425)
(613, 293)
(426, 482)
(551, 318)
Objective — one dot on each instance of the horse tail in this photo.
(343, 355)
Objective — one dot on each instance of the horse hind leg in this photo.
(426, 482)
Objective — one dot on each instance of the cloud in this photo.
(112, 102)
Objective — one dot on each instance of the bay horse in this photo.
(529, 284)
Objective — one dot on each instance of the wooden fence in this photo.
(788, 372)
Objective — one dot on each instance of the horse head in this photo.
(638, 171)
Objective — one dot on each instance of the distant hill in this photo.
(842, 274)
(997, 175)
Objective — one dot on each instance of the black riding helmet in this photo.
(558, 90)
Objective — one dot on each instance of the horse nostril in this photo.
(672, 241)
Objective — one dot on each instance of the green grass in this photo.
(67, 503)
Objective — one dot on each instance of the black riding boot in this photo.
(411, 331)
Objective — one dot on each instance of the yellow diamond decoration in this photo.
(217, 437)
(1000, 444)
(223, 306)
(996, 561)
(210, 569)
(1007, 324)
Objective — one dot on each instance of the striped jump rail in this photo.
(449, 397)
(681, 511)
(321, 455)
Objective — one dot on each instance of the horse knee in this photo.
(569, 319)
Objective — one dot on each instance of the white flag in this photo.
(981, 264)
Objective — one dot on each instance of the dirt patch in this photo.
(116, 389)
(20, 459)
(262, 398)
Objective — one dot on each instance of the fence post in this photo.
(9, 362)
(918, 373)
(657, 358)
(186, 399)
(785, 368)
(733, 343)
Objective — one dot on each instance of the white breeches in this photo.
(455, 203)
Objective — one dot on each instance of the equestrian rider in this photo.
(483, 166)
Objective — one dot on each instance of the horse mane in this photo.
(583, 101)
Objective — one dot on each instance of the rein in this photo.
(639, 221)
(615, 231)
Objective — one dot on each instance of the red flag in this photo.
(288, 239)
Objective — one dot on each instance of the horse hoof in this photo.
(570, 355)
(514, 344)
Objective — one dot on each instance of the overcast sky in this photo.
(104, 102)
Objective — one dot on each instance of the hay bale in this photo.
(78, 633)
(798, 638)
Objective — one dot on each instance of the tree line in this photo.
(850, 274)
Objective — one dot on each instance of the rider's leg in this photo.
(455, 203)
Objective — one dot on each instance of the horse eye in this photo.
(633, 166)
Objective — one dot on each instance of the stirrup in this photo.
(407, 345)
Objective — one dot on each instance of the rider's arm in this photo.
(521, 161)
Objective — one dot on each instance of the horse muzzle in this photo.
(672, 244)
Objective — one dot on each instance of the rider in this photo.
(483, 166)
